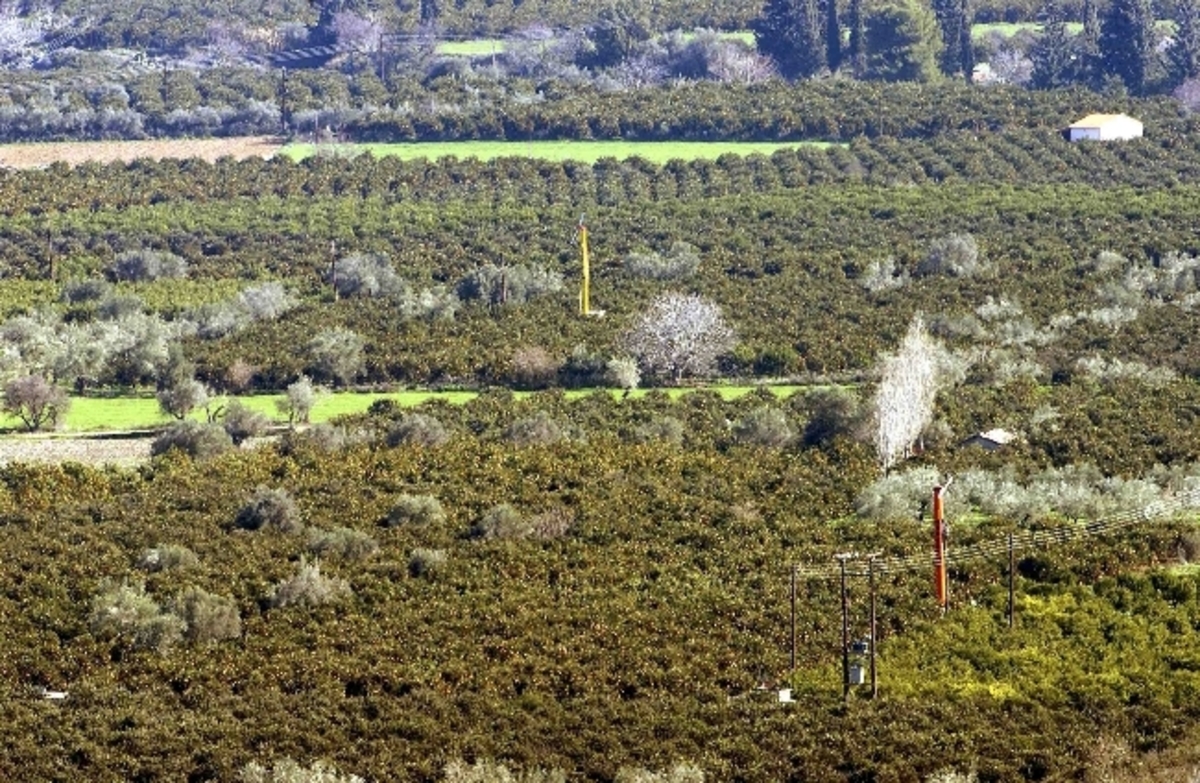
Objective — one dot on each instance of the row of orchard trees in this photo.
(539, 626)
(242, 101)
(448, 293)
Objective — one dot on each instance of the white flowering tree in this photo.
(908, 384)
(678, 335)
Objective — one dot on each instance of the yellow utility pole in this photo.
(584, 290)
(585, 287)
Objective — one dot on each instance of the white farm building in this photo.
(1105, 127)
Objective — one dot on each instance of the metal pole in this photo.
(871, 583)
(940, 588)
(793, 619)
(845, 633)
(283, 101)
(1012, 561)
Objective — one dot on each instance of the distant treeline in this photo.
(326, 105)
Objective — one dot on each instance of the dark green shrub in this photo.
(272, 508)
(288, 771)
(416, 510)
(426, 563)
(552, 523)
(196, 439)
(166, 557)
(308, 587)
(417, 429)
(344, 542)
(537, 430)
(243, 423)
(126, 613)
(145, 265)
(766, 426)
(209, 617)
(501, 521)
(660, 429)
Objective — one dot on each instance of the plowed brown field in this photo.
(36, 155)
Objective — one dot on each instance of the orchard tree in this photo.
(35, 401)
(790, 32)
(903, 404)
(678, 335)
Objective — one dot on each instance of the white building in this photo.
(1105, 127)
(990, 440)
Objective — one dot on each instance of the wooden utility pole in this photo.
(872, 637)
(941, 589)
(1012, 563)
(842, 558)
(793, 645)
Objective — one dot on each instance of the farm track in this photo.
(99, 450)
(121, 452)
(74, 153)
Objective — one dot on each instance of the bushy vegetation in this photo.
(596, 588)
(503, 615)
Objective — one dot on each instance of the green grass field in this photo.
(482, 47)
(583, 151)
(100, 414)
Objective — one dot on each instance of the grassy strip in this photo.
(103, 414)
(658, 152)
(484, 47)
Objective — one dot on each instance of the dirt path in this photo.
(38, 155)
(122, 452)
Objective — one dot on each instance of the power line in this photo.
(984, 550)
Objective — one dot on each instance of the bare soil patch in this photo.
(127, 450)
(73, 153)
(122, 452)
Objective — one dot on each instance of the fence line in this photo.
(982, 550)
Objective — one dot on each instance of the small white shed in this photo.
(990, 440)
(1105, 127)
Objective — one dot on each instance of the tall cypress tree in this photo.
(1127, 43)
(833, 36)
(903, 42)
(857, 55)
(1089, 66)
(1184, 54)
(966, 46)
(1053, 54)
(790, 33)
(951, 21)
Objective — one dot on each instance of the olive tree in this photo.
(298, 400)
(678, 335)
(336, 354)
(35, 401)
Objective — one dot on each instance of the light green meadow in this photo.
(101, 414)
(560, 150)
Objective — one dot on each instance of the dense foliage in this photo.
(586, 606)
(473, 264)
